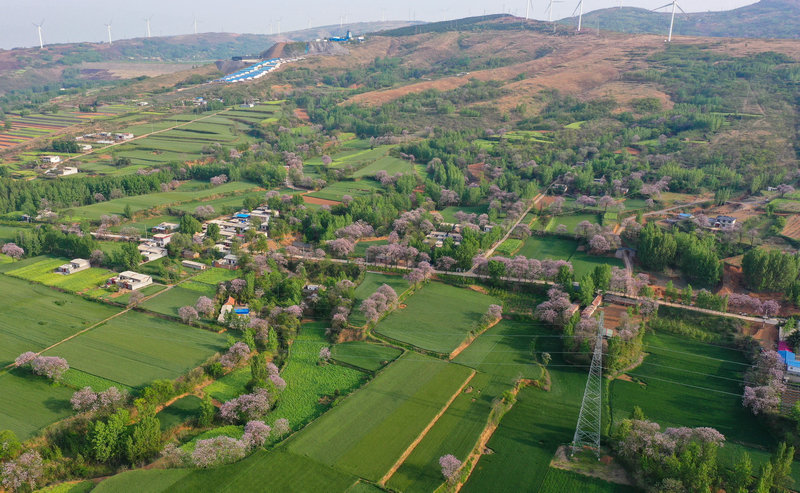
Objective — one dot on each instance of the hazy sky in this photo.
(83, 20)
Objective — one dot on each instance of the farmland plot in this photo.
(367, 433)
(35, 317)
(134, 349)
(365, 355)
(308, 384)
(43, 272)
(438, 317)
(372, 281)
(170, 301)
(31, 403)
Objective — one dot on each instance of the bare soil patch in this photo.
(606, 468)
(479, 289)
(318, 201)
(792, 228)
(301, 114)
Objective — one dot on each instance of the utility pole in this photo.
(587, 432)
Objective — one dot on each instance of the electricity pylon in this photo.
(587, 432)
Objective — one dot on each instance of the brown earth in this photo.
(301, 114)
(314, 200)
(792, 228)
(586, 65)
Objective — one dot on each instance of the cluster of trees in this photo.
(696, 257)
(771, 270)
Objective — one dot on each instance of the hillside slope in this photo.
(765, 19)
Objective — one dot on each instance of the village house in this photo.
(164, 228)
(74, 265)
(64, 171)
(50, 159)
(131, 280)
(724, 222)
(190, 264)
(162, 239)
(152, 252)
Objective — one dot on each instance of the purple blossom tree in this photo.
(12, 250)
(599, 244)
(445, 263)
(247, 407)
(450, 466)
(255, 434)
(495, 312)
(84, 400)
(236, 354)
(326, 160)
(237, 285)
(770, 308)
(24, 358)
(280, 428)
(218, 180)
(205, 306)
(325, 354)
(23, 473)
(218, 450)
(52, 367)
(188, 314)
(277, 381)
(341, 247)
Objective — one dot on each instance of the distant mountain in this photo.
(765, 19)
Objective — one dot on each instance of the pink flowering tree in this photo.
(218, 450)
(256, 434)
(494, 313)
(188, 314)
(280, 428)
(341, 247)
(599, 244)
(237, 353)
(218, 180)
(421, 273)
(247, 407)
(450, 466)
(12, 250)
(24, 473)
(325, 354)
(205, 306)
(24, 358)
(764, 384)
(52, 367)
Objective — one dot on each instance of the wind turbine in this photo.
(108, 28)
(195, 24)
(147, 24)
(579, 9)
(39, 30)
(674, 5)
(528, 6)
(550, 9)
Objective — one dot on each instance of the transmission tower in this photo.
(587, 432)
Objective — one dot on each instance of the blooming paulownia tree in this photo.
(450, 466)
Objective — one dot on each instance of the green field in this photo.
(277, 470)
(31, 403)
(230, 386)
(308, 382)
(187, 192)
(548, 247)
(583, 263)
(391, 165)
(365, 355)
(530, 433)
(372, 281)
(335, 191)
(170, 301)
(34, 317)
(558, 481)
(571, 221)
(361, 247)
(215, 275)
(504, 351)
(43, 271)
(135, 348)
(179, 412)
(456, 432)
(368, 431)
(438, 317)
(687, 383)
(508, 247)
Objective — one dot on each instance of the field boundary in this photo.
(425, 431)
(470, 339)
